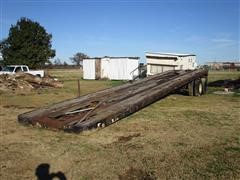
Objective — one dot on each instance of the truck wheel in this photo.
(198, 87)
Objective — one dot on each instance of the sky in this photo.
(208, 28)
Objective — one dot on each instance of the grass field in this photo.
(178, 137)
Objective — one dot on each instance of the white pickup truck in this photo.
(12, 69)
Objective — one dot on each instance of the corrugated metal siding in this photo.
(132, 65)
(111, 68)
(105, 68)
(117, 69)
(89, 69)
(120, 69)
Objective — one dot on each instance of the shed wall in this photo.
(132, 68)
(105, 68)
(110, 68)
(162, 61)
(89, 69)
(161, 64)
(118, 69)
(188, 62)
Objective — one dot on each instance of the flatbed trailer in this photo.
(102, 108)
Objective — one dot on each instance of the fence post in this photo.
(78, 82)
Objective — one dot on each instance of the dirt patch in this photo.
(137, 174)
(123, 139)
(223, 92)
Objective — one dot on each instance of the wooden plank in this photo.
(76, 102)
(135, 103)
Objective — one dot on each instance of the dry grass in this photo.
(179, 137)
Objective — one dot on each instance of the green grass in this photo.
(221, 75)
(178, 137)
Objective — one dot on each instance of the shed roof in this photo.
(174, 55)
(116, 57)
(121, 57)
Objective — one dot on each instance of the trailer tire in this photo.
(191, 88)
(205, 85)
(198, 87)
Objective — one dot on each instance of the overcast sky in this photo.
(209, 29)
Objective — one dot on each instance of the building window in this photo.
(154, 69)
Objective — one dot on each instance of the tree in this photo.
(57, 61)
(28, 43)
(65, 63)
(78, 58)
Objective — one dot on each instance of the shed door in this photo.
(98, 69)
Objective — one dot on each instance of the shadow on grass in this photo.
(42, 173)
(226, 83)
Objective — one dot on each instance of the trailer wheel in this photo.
(191, 88)
(205, 86)
(198, 87)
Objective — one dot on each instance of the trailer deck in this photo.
(105, 107)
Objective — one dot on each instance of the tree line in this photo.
(29, 43)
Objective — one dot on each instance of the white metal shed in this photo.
(113, 68)
(160, 62)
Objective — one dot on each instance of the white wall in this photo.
(120, 68)
(132, 65)
(187, 62)
(111, 68)
(162, 61)
(89, 69)
(105, 68)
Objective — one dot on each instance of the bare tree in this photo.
(65, 63)
(57, 61)
(78, 58)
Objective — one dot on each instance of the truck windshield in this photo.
(8, 69)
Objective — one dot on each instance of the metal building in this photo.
(113, 68)
(160, 62)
